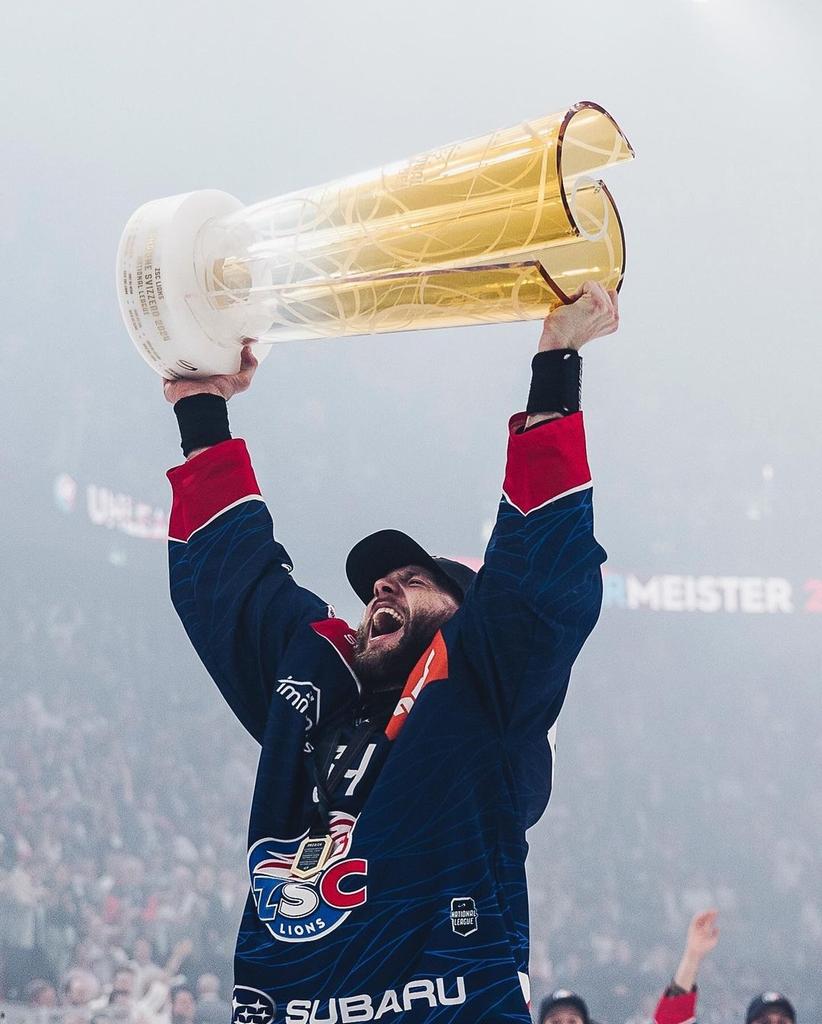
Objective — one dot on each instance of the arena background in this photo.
(689, 747)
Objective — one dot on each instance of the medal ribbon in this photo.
(431, 667)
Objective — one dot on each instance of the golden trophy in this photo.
(500, 228)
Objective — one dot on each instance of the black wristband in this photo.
(556, 382)
(203, 421)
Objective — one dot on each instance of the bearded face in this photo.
(408, 607)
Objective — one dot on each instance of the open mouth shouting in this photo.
(386, 627)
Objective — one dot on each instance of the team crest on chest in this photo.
(305, 909)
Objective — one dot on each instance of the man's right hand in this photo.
(226, 385)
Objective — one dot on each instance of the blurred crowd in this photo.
(121, 835)
(124, 789)
(679, 788)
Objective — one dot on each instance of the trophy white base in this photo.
(163, 304)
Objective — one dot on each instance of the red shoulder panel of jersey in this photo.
(676, 1009)
(340, 635)
(431, 667)
(546, 462)
(208, 485)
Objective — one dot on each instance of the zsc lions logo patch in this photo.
(303, 910)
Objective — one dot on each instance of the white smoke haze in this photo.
(689, 751)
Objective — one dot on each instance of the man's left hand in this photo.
(593, 313)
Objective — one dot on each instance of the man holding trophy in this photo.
(402, 762)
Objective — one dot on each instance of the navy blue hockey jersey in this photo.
(421, 912)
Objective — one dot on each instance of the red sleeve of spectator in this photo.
(676, 1009)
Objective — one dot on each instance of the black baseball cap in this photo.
(387, 550)
(564, 997)
(769, 1001)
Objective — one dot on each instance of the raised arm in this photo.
(539, 593)
(204, 421)
(230, 579)
(594, 313)
(678, 1002)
